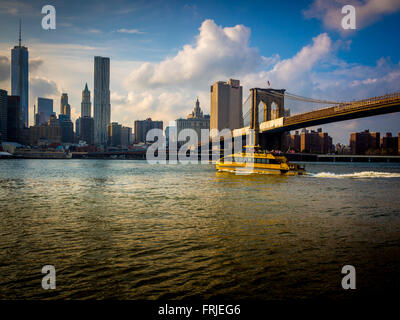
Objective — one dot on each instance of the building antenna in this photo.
(19, 31)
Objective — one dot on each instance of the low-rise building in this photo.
(363, 142)
(142, 127)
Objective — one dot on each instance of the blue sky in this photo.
(165, 53)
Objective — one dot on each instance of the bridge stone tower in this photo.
(271, 96)
(268, 97)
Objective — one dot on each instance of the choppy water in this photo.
(130, 230)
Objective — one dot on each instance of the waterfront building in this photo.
(226, 105)
(361, 142)
(101, 101)
(19, 79)
(54, 129)
(195, 120)
(313, 141)
(44, 109)
(3, 115)
(67, 128)
(144, 126)
(86, 105)
(86, 131)
(389, 144)
(46, 133)
(114, 134)
(294, 141)
(13, 118)
(126, 136)
(38, 135)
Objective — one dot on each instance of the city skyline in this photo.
(321, 61)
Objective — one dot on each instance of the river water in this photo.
(130, 230)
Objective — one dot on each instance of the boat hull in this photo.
(242, 169)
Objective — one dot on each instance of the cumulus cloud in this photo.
(4, 69)
(42, 87)
(35, 64)
(367, 11)
(217, 52)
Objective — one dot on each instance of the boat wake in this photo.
(357, 175)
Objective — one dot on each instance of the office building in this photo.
(13, 118)
(226, 105)
(67, 128)
(19, 79)
(195, 121)
(86, 130)
(44, 109)
(101, 101)
(78, 127)
(142, 127)
(114, 134)
(46, 133)
(3, 115)
(86, 105)
(126, 136)
(361, 142)
(65, 108)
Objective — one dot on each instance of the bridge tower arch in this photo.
(267, 97)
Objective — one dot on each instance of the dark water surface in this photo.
(131, 230)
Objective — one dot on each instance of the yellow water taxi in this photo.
(254, 160)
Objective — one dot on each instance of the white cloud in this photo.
(130, 31)
(367, 11)
(217, 52)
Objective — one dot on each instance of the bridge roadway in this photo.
(358, 109)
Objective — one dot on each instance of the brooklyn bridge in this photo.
(267, 118)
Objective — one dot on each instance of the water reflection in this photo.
(126, 229)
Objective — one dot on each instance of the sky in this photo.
(166, 53)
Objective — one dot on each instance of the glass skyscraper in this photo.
(19, 78)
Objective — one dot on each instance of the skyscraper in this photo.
(101, 101)
(3, 115)
(19, 78)
(65, 108)
(13, 118)
(226, 105)
(45, 107)
(86, 105)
